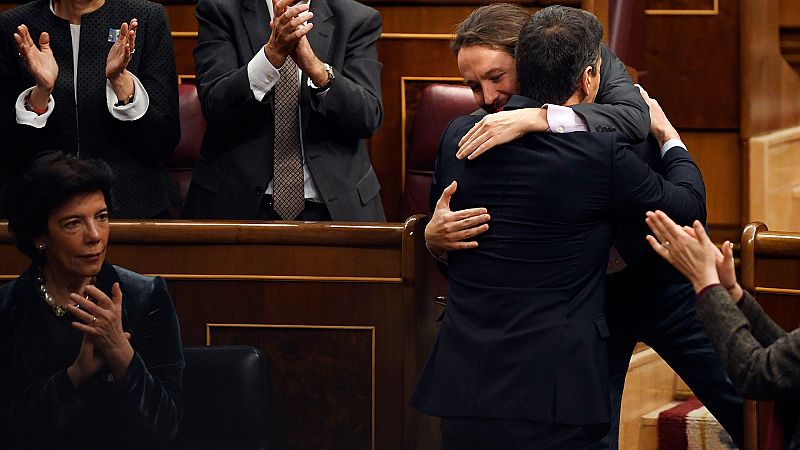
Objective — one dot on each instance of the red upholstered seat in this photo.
(193, 126)
(438, 105)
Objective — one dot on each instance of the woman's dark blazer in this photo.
(135, 150)
(762, 359)
(39, 407)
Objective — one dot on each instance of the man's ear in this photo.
(586, 81)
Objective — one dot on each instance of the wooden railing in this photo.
(770, 267)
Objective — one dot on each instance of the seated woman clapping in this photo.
(762, 359)
(90, 353)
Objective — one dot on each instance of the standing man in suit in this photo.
(520, 361)
(290, 91)
(646, 300)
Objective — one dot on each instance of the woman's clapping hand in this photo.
(101, 324)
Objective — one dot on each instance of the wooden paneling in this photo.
(789, 16)
(719, 156)
(183, 25)
(773, 174)
(770, 87)
(413, 19)
(339, 309)
(691, 67)
(682, 7)
(789, 13)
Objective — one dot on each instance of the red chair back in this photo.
(193, 127)
(438, 105)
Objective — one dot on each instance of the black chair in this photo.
(226, 399)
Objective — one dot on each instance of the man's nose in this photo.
(490, 95)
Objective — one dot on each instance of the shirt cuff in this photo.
(562, 119)
(262, 75)
(134, 110)
(30, 118)
(671, 143)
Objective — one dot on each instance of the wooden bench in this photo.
(770, 269)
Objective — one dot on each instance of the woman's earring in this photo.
(40, 246)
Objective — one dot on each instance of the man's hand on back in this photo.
(660, 126)
(447, 230)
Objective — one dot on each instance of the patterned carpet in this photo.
(689, 426)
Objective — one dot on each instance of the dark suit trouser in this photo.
(663, 316)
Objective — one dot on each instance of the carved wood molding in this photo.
(713, 11)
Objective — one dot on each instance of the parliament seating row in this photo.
(770, 270)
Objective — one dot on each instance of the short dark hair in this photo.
(51, 180)
(553, 49)
(496, 25)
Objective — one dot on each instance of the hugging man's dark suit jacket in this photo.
(523, 333)
(235, 163)
(135, 150)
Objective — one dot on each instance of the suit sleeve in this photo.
(353, 103)
(152, 385)
(222, 82)
(618, 105)
(154, 136)
(42, 410)
(763, 367)
(680, 192)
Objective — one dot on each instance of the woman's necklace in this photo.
(58, 310)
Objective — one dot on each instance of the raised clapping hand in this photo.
(447, 230)
(40, 62)
(308, 62)
(104, 340)
(500, 128)
(287, 30)
(119, 56)
(690, 251)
